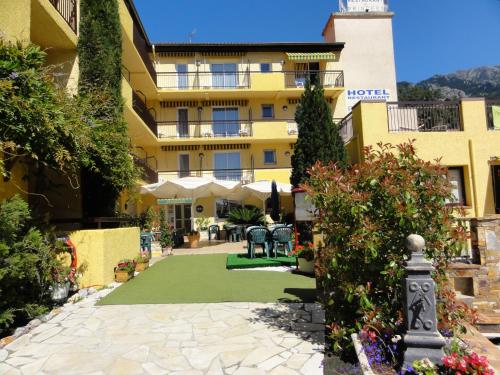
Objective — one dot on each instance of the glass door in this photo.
(183, 217)
(495, 169)
(225, 122)
(224, 75)
(227, 166)
(182, 76)
(183, 165)
(182, 123)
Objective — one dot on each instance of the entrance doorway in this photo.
(183, 217)
(495, 172)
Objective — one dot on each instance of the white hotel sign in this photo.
(366, 6)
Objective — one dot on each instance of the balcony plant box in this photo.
(141, 263)
(193, 239)
(124, 271)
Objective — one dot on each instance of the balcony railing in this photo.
(327, 78)
(149, 174)
(493, 114)
(293, 128)
(203, 80)
(204, 129)
(142, 110)
(345, 128)
(68, 10)
(424, 116)
(142, 47)
(245, 176)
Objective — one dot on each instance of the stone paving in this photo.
(223, 338)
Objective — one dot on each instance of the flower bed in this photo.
(383, 354)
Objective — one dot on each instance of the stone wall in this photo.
(481, 280)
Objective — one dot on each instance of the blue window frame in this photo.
(265, 67)
(269, 156)
(224, 75)
(267, 111)
(227, 166)
(225, 122)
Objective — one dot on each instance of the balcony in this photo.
(245, 176)
(203, 80)
(243, 80)
(493, 114)
(345, 128)
(327, 78)
(139, 106)
(149, 174)
(424, 116)
(68, 10)
(143, 49)
(204, 129)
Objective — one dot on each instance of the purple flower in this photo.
(14, 75)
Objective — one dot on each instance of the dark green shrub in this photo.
(246, 215)
(365, 214)
(28, 263)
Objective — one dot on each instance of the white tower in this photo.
(368, 56)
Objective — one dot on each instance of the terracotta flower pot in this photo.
(122, 276)
(166, 251)
(193, 240)
(139, 267)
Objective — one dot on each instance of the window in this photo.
(227, 166)
(265, 67)
(183, 165)
(223, 206)
(267, 111)
(269, 156)
(456, 179)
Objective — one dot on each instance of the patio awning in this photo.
(311, 56)
(190, 187)
(262, 189)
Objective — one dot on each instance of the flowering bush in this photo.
(304, 251)
(455, 364)
(365, 214)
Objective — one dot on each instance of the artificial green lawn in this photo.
(204, 278)
(260, 260)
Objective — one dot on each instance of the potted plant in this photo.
(124, 270)
(193, 238)
(62, 283)
(202, 223)
(141, 263)
(166, 240)
(305, 257)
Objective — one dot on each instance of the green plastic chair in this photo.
(282, 236)
(258, 236)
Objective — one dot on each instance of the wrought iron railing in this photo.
(140, 107)
(68, 9)
(148, 174)
(245, 176)
(493, 114)
(142, 47)
(437, 116)
(327, 78)
(203, 80)
(204, 129)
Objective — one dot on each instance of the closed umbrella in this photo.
(275, 202)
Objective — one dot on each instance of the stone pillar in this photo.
(422, 339)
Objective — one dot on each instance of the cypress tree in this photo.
(110, 168)
(318, 137)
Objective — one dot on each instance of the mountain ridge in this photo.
(482, 81)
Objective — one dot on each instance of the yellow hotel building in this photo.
(226, 110)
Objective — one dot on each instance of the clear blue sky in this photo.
(431, 36)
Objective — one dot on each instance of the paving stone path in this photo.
(221, 338)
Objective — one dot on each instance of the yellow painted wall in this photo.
(473, 148)
(16, 184)
(15, 19)
(101, 250)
